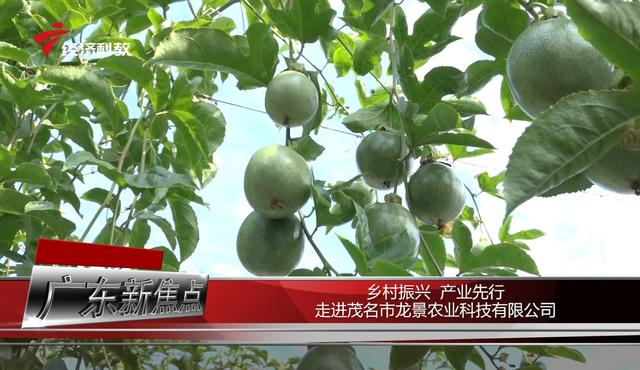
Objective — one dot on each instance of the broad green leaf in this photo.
(467, 106)
(501, 255)
(98, 195)
(85, 82)
(22, 91)
(304, 20)
(157, 177)
(367, 55)
(432, 248)
(128, 66)
(40, 205)
(169, 260)
(140, 233)
(126, 356)
(387, 268)
(31, 173)
(478, 74)
(13, 202)
(251, 59)
(489, 184)
(5, 162)
(565, 140)
(12, 52)
(307, 148)
(186, 226)
(403, 357)
(613, 27)
(511, 109)
(467, 140)
(437, 83)
(110, 234)
(505, 20)
(577, 183)
(371, 118)
(566, 352)
(476, 358)
(458, 356)
(441, 118)
(306, 272)
(79, 131)
(462, 242)
(10, 226)
(57, 364)
(163, 224)
(364, 15)
(357, 255)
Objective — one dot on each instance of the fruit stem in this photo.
(305, 230)
(527, 6)
(475, 205)
(287, 140)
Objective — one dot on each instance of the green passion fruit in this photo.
(277, 181)
(390, 234)
(270, 247)
(291, 99)
(330, 358)
(618, 170)
(549, 61)
(436, 194)
(378, 157)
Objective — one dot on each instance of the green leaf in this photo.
(367, 55)
(511, 109)
(5, 162)
(12, 52)
(307, 148)
(613, 28)
(433, 245)
(442, 117)
(467, 106)
(489, 184)
(365, 15)
(367, 119)
(57, 364)
(85, 82)
(403, 357)
(31, 173)
(565, 140)
(10, 226)
(169, 260)
(306, 272)
(456, 139)
(97, 195)
(186, 225)
(357, 255)
(575, 184)
(462, 242)
(158, 177)
(566, 352)
(251, 59)
(140, 233)
(476, 358)
(387, 268)
(501, 255)
(305, 20)
(163, 224)
(40, 205)
(478, 75)
(505, 20)
(458, 356)
(126, 356)
(13, 202)
(128, 66)
(437, 83)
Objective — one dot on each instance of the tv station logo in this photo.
(90, 295)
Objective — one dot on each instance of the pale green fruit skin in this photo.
(291, 99)
(617, 170)
(393, 235)
(270, 247)
(277, 181)
(549, 61)
(330, 358)
(378, 158)
(436, 194)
